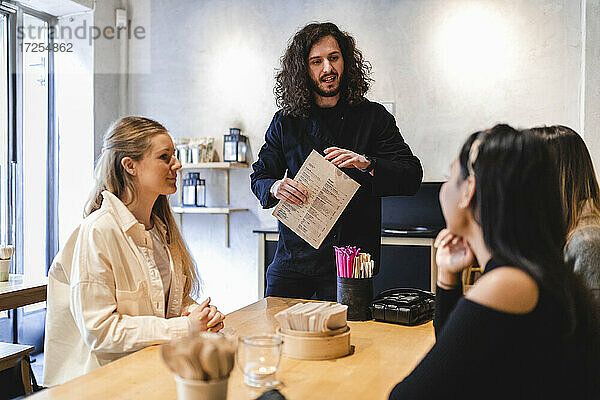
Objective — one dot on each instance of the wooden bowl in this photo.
(316, 345)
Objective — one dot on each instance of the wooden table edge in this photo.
(11, 300)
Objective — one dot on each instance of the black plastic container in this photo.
(357, 294)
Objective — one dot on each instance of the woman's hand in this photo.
(206, 317)
(452, 257)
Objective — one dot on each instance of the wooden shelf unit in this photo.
(225, 166)
(206, 210)
(215, 165)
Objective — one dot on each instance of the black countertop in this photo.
(396, 232)
(418, 216)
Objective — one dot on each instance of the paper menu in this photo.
(330, 190)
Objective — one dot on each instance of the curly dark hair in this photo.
(293, 83)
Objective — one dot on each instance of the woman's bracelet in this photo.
(446, 286)
(443, 283)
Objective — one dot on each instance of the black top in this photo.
(332, 118)
(365, 128)
(482, 353)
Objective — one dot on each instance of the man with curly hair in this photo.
(321, 89)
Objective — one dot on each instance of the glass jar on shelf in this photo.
(195, 151)
(202, 142)
(189, 193)
(210, 145)
(200, 193)
(182, 150)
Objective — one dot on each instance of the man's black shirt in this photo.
(365, 128)
(332, 118)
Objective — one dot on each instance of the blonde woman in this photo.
(581, 202)
(124, 278)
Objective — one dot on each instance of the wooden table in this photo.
(383, 355)
(19, 292)
(13, 354)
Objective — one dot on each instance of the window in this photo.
(28, 142)
(33, 151)
(4, 117)
(28, 156)
(6, 325)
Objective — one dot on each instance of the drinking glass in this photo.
(258, 357)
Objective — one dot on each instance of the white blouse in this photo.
(106, 297)
(161, 259)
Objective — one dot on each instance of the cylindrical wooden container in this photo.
(316, 345)
(357, 294)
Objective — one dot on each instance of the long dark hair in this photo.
(517, 198)
(293, 84)
(518, 206)
(577, 179)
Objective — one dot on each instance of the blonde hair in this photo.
(577, 179)
(132, 137)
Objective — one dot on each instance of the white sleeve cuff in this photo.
(179, 327)
(274, 188)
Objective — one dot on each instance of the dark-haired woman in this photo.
(581, 202)
(527, 328)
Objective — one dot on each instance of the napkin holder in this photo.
(304, 345)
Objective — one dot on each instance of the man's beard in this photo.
(322, 93)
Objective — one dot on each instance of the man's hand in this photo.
(343, 158)
(289, 191)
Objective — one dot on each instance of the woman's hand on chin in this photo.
(452, 257)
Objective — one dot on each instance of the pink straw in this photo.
(348, 258)
(344, 261)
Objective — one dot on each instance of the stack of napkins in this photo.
(313, 317)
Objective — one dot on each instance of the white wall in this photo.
(108, 73)
(592, 80)
(74, 107)
(450, 66)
